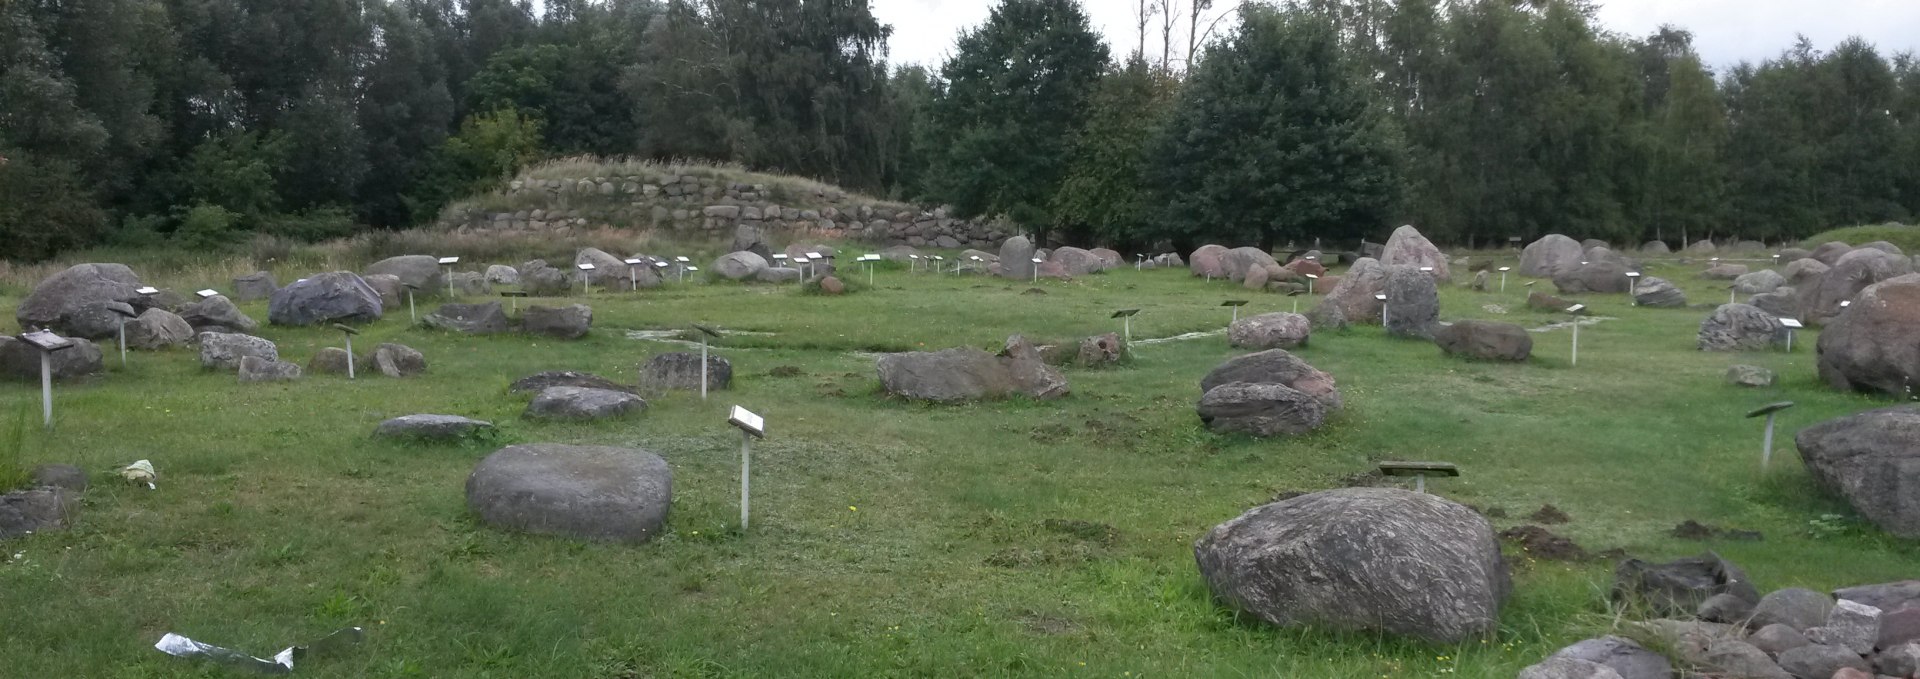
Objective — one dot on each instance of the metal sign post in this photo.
(681, 263)
(1766, 443)
(751, 427)
(633, 273)
(586, 278)
(1236, 304)
(1503, 277)
(1633, 285)
(705, 332)
(449, 262)
(1036, 268)
(412, 317)
(123, 311)
(513, 298)
(1383, 308)
(1575, 310)
(1311, 280)
(349, 332)
(1791, 324)
(1419, 471)
(1126, 325)
(47, 343)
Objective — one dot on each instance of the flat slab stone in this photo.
(591, 492)
(431, 427)
(582, 403)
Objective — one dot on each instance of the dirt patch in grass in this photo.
(1034, 291)
(1694, 530)
(1549, 515)
(1542, 544)
(786, 371)
(1050, 433)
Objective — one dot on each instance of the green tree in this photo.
(490, 147)
(1104, 195)
(1016, 91)
(1276, 135)
(45, 207)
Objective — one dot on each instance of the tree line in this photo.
(199, 122)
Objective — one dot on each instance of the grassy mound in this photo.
(1903, 235)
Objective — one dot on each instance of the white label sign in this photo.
(449, 260)
(747, 421)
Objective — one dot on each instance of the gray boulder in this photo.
(539, 382)
(1800, 609)
(503, 275)
(1413, 302)
(1736, 659)
(254, 369)
(1372, 559)
(420, 271)
(589, 492)
(254, 286)
(1208, 261)
(1075, 261)
(1680, 586)
(1262, 410)
(1725, 608)
(393, 295)
(1481, 281)
(98, 320)
(738, 266)
(964, 374)
(582, 403)
(330, 361)
(1240, 260)
(1853, 273)
(1820, 661)
(1764, 280)
(1550, 255)
(1870, 346)
(1851, 625)
(1406, 247)
(681, 370)
(1701, 247)
(1891, 597)
(1275, 366)
(471, 284)
(1485, 340)
(431, 427)
(21, 361)
(223, 351)
(1871, 459)
(157, 329)
(749, 238)
(1775, 638)
(1016, 258)
(1354, 294)
(335, 297)
(218, 314)
(1749, 376)
(568, 322)
(474, 319)
(76, 287)
(395, 360)
(1885, 247)
(540, 280)
(778, 274)
(1280, 330)
(1791, 255)
(612, 273)
(1902, 660)
(1782, 302)
(1623, 656)
(1800, 271)
(1567, 668)
(36, 510)
(1601, 276)
(1658, 293)
(1740, 327)
(1654, 247)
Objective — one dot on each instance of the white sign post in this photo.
(751, 427)
(1766, 443)
(1036, 268)
(513, 298)
(349, 332)
(1633, 285)
(124, 312)
(633, 273)
(1503, 277)
(1791, 324)
(1236, 304)
(705, 332)
(1383, 308)
(1126, 325)
(586, 277)
(869, 260)
(1311, 280)
(780, 260)
(47, 343)
(449, 262)
(683, 265)
(1575, 310)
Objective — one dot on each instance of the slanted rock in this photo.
(1485, 340)
(1413, 302)
(738, 266)
(218, 314)
(539, 382)
(1208, 261)
(589, 492)
(420, 271)
(966, 374)
(223, 351)
(1016, 258)
(567, 322)
(1243, 259)
(778, 274)
(431, 427)
(1279, 330)
(1853, 273)
(1394, 561)
(1275, 366)
(1764, 280)
(1679, 587)
(395, 360)
(256, 369)
(1871, 345)
(1550, 255)
(1601, 276)
(474, 319)
(254, 286)
(1749, 376)
(681, 370)
(1800, 609)
(21, 361)
(1871, 459)
(1260, 410)
(1657, 292)
(335, 297)
(1353, 294)
(76, 287)
(582, 403)
(1406, 247)
(36, 510)
(158, 329)
(1740, 327)
(393, 295)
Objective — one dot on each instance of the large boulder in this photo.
(681, 370)
(1740, 327)
(1275, 366)
(1829, 253)
(1592, 276)
(738, 265)
(254, 286)
(1872, 459)
(393, 295)
(503, 275)
(1370, 559)
(1413, 302)
(1782, 302)
(1884, 246)
(1820, 298)
(749, 238)
(1407, 247)
(1260, 410)
(420, 271)
(1872, 346)
(1701, 247)
(612, 273)
(256, 369)
(76, 287)
(1550, 255)
(158, 328)
(21, 361)
(98, 320)
(469, 283)
(475, 319)
(567, 322)
(1794, 607)
(431, 427)
(223, 351)
(1679, 587)
(1208, 261)
(1075, 261)
(1279, 330)
(1485, 340)
(1800, 271)
(330, 361)
(1243, 259)
(590, 492)
(965, 374)
(1757, 282)
(1108, 256)
(335, 297)
(540, 280)
(1655, 247)
(1353, 295)
(1016, 258)
(218, 314)
(583, 403)
(1658, 292)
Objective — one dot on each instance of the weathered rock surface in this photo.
(567, 322)
(158, 329)
(1280, 330)
(1872, 345)
(1871, 459)
(256, 369)
(1625, 657)
(334, 297)
(1275, 366)
(1658, 292)
(475, 319)
(966, 374)
(1749, 376)
(739, 265)
(423, 272)
(1382, 559)
(1354, 294)
(21, 361)
(223, 351)
(395, 360)
(589, 492)
(1820, 298)
(1800, 609)
(1485, 340)
(1550, 255)
(1260, 410)
(1406, 247)
(1764, 280)
(1603, 277)
(539, 382)
(582, 403)
(1679, 587)
(1016, 258)
(1740, 327)
(76, 287)
(36, 510)
(1208, 261)
(1413, 302)
(218, 314)
(681, 370)
(431, 427)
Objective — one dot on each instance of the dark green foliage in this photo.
(1104, 195)
(45, 207)
(489, 147)
(1275, 137)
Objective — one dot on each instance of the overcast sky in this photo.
(1725, 31)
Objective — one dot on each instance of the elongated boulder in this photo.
(612, 273)
(1354, 294)
(1874, 345)
(1593, 276)
(1279, 330)
(1485, 340)
(156, 329)
(540, 280)
(1680, 586)
(1407, 247)
(738, 266)
(223, 351)
(1550, 255)
(965, 374)
(1872, 459)
(1852, 273)
(597, 493)
(1829, 253)
(474, 319)
(218, 314)
(1076, 262)
(1740, 327)
(423, 272)
(1658, 292)
(1262, 410)
(1243, 259)
(1016, 258)
(583, 403)
(681, 370)
(431, 427)
(76, 287)
(1724, 272)
(335, 297)
(1413, 303)
(1367, 559)
(20, 361)
(256, 369)
(539, 382)
(1782, 302)
(567, 322)
(1757, 282)
(1800, 271)
(1208, 261)
(1626, 658)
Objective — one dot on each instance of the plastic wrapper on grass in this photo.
(281, 663)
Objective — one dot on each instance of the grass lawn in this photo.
(889, 538)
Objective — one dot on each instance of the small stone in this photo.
(1899, 661)
(1899, 627)
(1794, 607)
(1725, 608)
(1777, 638)
(1735, 658)
(1625, 657)
(1819, 661)
(1851, 624)
(256, 369)
(396, 360)
(1749, 376)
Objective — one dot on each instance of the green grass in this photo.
(1906, 237)
(889, 539)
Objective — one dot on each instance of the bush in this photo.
(1905, 236)
(311, 226)
(206, 227)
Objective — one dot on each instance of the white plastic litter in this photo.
(139, 472)
(282, 662)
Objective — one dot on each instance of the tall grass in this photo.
(13, 443)
(1907, 237)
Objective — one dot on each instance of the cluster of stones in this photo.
(715, 206)
(1265, 394)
